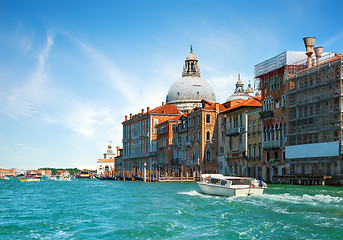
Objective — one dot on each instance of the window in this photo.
(199, 119)
(208, 136)
(208, 155)
(249, 129)
(208, 118)
(199, 136)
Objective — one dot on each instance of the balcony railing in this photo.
(267, 114)
(272, 144)
(235, 131)
(188, 144)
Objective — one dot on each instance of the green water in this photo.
(94, 209)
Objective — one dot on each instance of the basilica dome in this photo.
(187, 92)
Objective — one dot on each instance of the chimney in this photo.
(318, 51)
(130, 115)
(162, 103)
(309, 44)
(142, 111)
(217, 107)
(117, 151)
(125, 117)
(147, 109)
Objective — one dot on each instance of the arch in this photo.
(107, 169)
(208, 136)
(208, 155)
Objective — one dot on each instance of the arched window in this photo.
(208, 136)
(107, 169)
(208, 155)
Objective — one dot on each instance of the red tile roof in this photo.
(251, 102)
(166, 108)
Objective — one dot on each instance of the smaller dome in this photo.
(191, 56)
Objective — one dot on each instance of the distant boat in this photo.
(219, 185)
(28, 178)
(3, 177)
(65, 177)
(52, 177)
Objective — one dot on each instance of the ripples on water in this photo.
(95, 209)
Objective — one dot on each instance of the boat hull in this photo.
(218, 190)
(29, 180)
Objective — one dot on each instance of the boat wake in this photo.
(192, 193)
(304, 199)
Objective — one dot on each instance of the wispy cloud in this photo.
(23, 100)
(333, 39)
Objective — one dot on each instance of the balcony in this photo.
(237, 154)
(188, 144)
(235, 131)
(272, 144)
(267, 114)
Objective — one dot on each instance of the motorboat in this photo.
(3, 177)
(28, 178)
(231, 186)
(65, 177)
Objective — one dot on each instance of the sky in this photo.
(71, 70)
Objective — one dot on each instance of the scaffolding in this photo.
(314, 101)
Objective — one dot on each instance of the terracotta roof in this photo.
(212, 105)
(251, 102)
(166, 108)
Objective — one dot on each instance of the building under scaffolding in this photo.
(314, 117)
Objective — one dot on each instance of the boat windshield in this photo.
(240, 181)
(218, 181)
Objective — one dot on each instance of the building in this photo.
(187, 92)
(314, 115)
(140, 137)
(236, 140)
(270, 76)
(106, 164)
(254, 160)
(165, 141)
(195, 140)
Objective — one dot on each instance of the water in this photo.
(94, 209)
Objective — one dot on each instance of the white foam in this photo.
(304, 199)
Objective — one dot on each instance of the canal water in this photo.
(94, 209)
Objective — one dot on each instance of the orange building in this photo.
(165, 141)
(140, 137)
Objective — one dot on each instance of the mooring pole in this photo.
(145, 172)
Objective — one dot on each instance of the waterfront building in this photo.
(187, 92)
(314, 115)
(236, 140)
(254, 160)
(106, 164)
(140, 137)
(195, 140)
(164, 142)
(9, 172)
(270, 76)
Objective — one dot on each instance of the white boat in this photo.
(52, 177)
(28, 179)
(3, 177)
(217, 184)
(65, 177)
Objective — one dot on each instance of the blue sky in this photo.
(71, 70)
